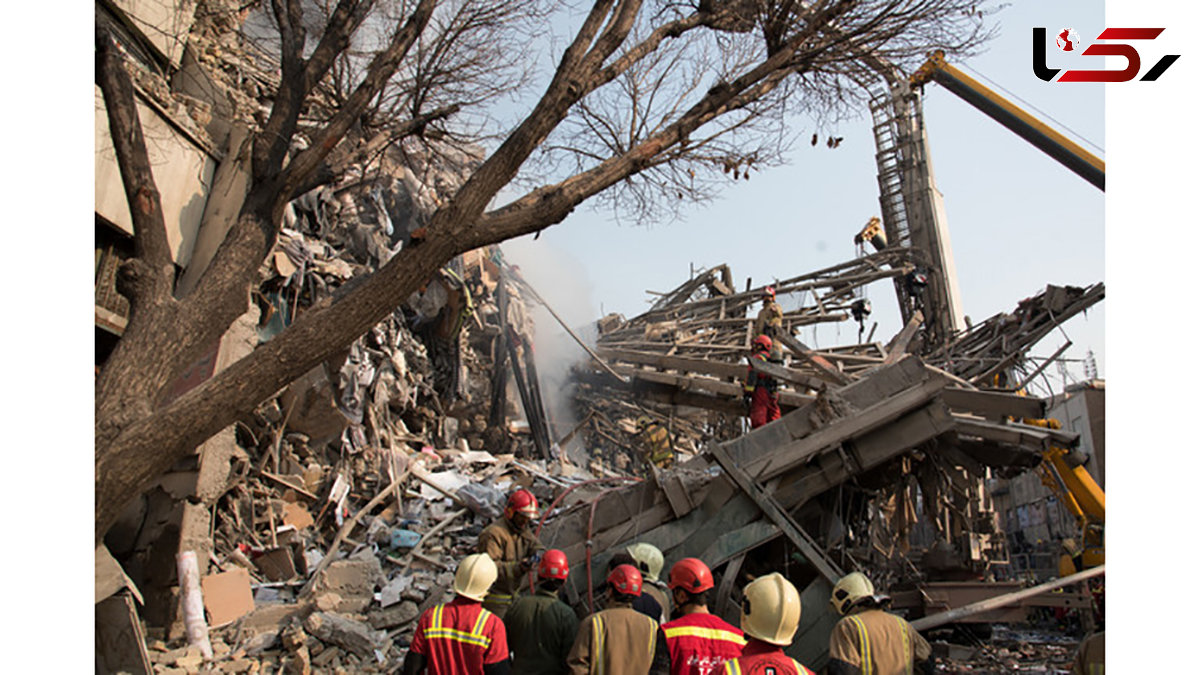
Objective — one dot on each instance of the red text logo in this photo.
(1067, 41)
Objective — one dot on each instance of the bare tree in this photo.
(651, 97)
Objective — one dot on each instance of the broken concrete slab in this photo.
(347, 633)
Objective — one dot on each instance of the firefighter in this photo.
(770, 617)
(656, 443)
(650, 563)
(541, 627)
(510, 542)
(1089, 660)
(868, 639)
(644, 602)
(759, 391)
(769, 321)
(460, 636)
(617, 640)
(697, 642)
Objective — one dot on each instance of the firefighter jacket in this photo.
(769, 321)
(696, 644)
(1089, 660)
(873, 642)
(541, 629)
(762, 658)
(618, 640)
(508, 548)
(755, 379)
(656, 445)
(459, 638)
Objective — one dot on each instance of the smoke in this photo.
(561, 281)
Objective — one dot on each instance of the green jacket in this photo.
(541, 629)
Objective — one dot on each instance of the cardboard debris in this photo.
(227, 596)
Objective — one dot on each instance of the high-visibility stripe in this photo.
(436, 631)
(864, 645)
(480, 621)
(733, 667)
(597, 645)
(908, 657)
(705, 633)
(653, 635)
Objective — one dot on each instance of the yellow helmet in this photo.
(476, 574)
(771, 609)
(649, 559)
(849, 590)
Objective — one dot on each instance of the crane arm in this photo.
(1013, 118)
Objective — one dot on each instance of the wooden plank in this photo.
(899, 344)
(787, 374)
(1029, 378)
(799, 538)
(824, 368)
(724, 604)
(1014, 433)
(994, 404)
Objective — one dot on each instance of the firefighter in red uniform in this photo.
(697, 642)
(460, 637)
(759, 390)
(770, 617)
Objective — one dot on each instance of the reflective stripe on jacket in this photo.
(877, 643)
(615, 641)
(459, 638)
(698, 643)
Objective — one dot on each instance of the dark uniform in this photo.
(541, 631)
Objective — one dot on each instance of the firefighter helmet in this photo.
(769, 292)
(476, 574)
(761, 343)
(626, 579)
(650, 560)
(691, 575)
(553, 565)
(522, 502)
(771, 609)
(849, 590)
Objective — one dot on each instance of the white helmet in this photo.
(476, 574)
(849, 590)
(771, 609)
(649, 559)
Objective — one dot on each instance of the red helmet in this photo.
(626, 579)
(553, 565)
(691, 575)
(769, 292)
(762, 342)
(523, 502)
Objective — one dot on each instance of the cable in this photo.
(1030, 105)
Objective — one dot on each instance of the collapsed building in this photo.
(325, 521)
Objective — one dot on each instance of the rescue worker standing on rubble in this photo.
(655, 440)
(511, 544)
(617, 640)
(759, 391)
(770, 617)
(650, 563)
(460, 637)
(696, 642)
(868, 639)
(769, 321)
(541, 627)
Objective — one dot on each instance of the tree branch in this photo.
(150, 242)
(382, 67)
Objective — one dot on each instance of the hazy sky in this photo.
(1018, 219)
